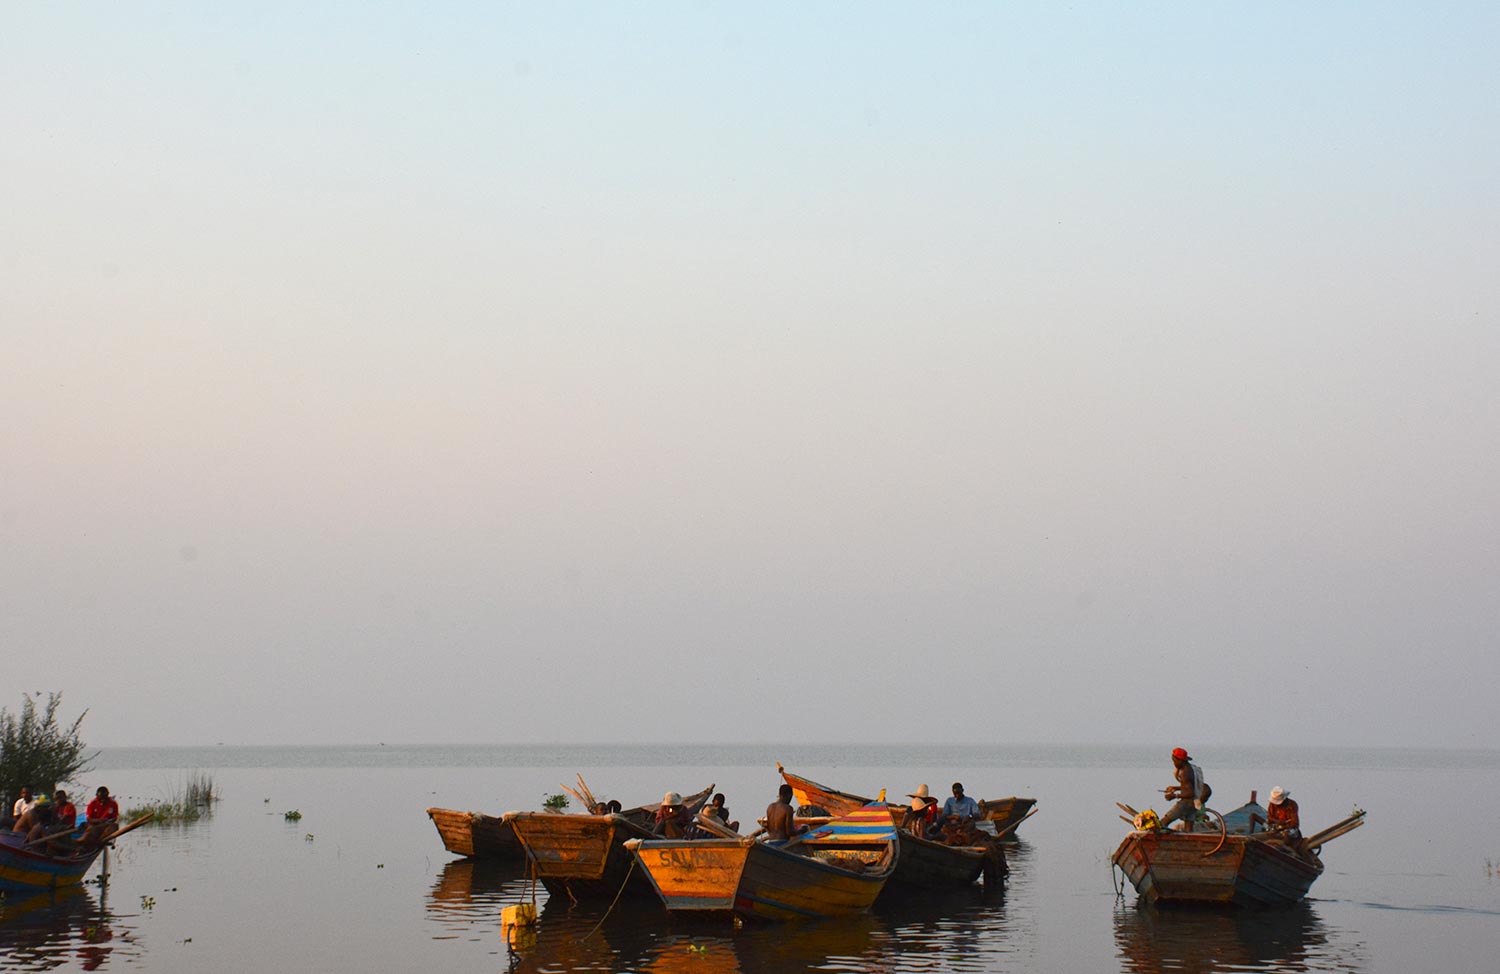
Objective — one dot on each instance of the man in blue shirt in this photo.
(960, 809)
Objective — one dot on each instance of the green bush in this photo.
(35, 750)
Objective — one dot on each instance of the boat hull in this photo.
(926, 865)
(475, 835)
(1207, 868)
(1003, 812)
(582, 856)
(759, 880)
(28, 871)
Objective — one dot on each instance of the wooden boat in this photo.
(1006, 813)
(25, 870)
(31, 868)
(836, 869)
(1228, 866)
(476, 835)
(584, 856)
(924, 863)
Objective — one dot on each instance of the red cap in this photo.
(1179, 754)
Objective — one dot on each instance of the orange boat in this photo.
(582, 856)
(835, 870)
(475, 835)
(1230, 865)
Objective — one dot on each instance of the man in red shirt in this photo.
(103, 817)
(1281, 813)
(67, 814)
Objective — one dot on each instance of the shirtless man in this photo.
(1191, 791)
(779, 824)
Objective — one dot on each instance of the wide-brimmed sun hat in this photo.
(920, 798)
(1279, 795)
(671, 798)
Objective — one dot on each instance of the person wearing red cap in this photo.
(1191, 791)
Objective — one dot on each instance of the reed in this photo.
(191, 799)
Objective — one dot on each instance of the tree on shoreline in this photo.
(36, 751)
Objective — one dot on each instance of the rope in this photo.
(611, 905)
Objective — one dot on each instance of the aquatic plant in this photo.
(188, 801)
(555, 803)
(199, 789)
(293, 816)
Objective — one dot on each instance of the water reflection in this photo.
(1205, 941)
(964, 930)
(588, 939)
(69, 927)
(469, 894)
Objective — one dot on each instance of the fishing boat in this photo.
(1005, 813)
(924, 863)
(836, 869)
(475, 835)
(30, 868)
(1229, 864)
(584, 856)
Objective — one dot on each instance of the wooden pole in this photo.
(1013, 826)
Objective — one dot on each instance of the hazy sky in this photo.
(576, 372)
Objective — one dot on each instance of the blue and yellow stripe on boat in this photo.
(870, 823)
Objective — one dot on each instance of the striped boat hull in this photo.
(28, 871)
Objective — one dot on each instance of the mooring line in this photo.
(611, 909)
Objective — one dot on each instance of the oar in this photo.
(49, 838)
(587, 794)
(1333, 832)
(109, 838)
(586, 803)
(1013, 826)
(132, 826)
(1126, 809)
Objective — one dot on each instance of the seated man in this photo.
(67, 814)
(38, 822)
(103, 818)
(716, 809)
(921, 817)
(1281, 814)
(960, 813)
(672, 818)
(21, 806)
(779, 824)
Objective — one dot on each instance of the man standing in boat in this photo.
(1191, 791)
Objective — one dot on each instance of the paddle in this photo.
(1013, 826)
(109, 838)
(49, 838)
(133, 825)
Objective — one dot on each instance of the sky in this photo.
(584, 372)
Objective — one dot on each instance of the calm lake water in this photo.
(362, 883)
